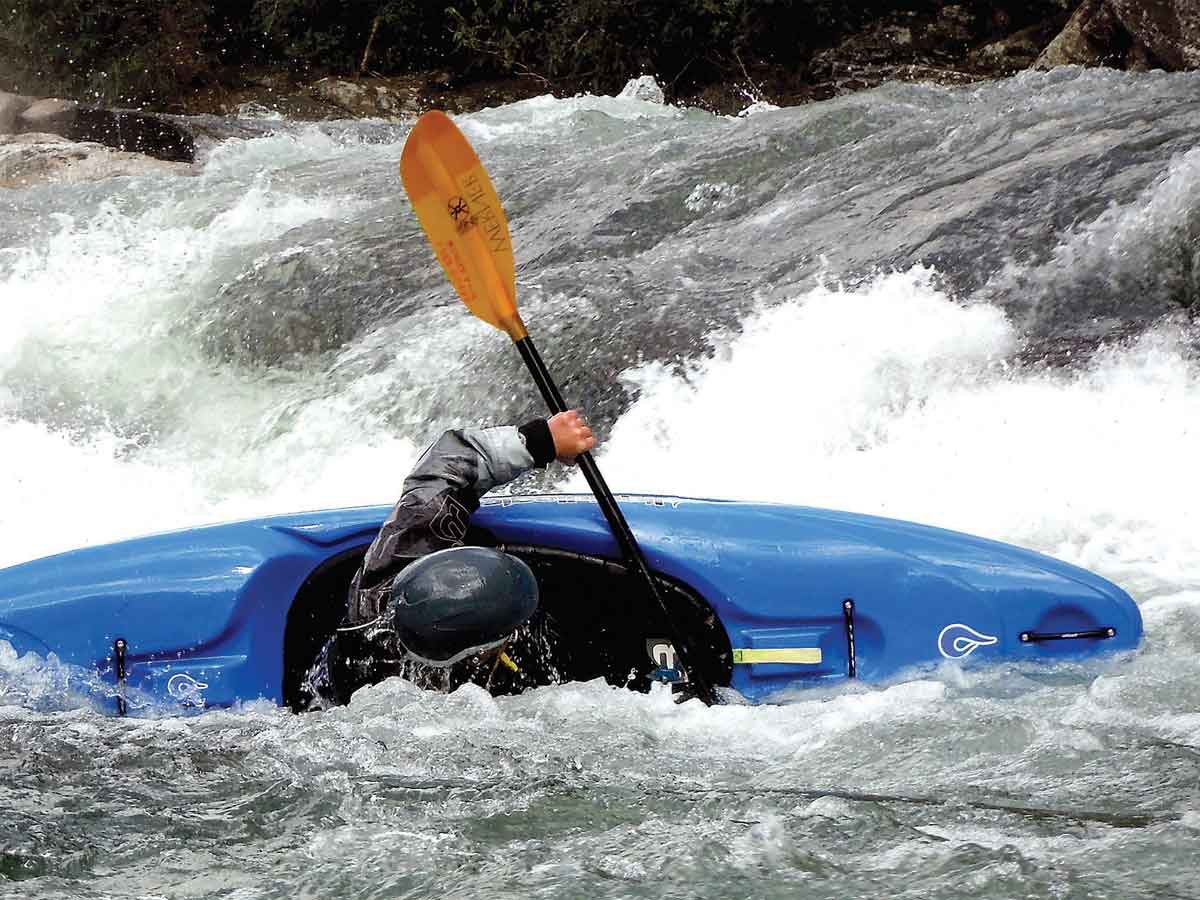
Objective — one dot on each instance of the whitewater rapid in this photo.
(959, 306)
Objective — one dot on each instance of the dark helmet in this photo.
(453, 603)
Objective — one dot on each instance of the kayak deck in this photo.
(774, 597)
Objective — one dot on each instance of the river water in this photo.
(961, 306)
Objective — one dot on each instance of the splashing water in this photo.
(959, 306)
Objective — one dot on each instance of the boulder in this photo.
(396, 101)
(11, 106)
(134, 132)
(1140, 59)
(131, 132)
(43, 140)
(48, 116)
(1015, 52)
(1169, 29)
(902, 45)
(1129, 34)
(1093, 36)
(955, 26)
(369, 96)
(343, 93)
(33, 158)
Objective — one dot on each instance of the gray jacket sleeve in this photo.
(439, 495)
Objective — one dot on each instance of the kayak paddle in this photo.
(455, 202)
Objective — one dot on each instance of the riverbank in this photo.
(950, 44)
(941, 44)
(403, 56)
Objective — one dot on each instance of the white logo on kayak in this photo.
(959, 641)
(186, 689)
(662, 652)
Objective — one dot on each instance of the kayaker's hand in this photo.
(571, 435)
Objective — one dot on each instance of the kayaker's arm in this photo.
(444, 488)
(432, 514)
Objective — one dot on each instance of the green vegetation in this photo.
(602, 42)
(110, 49)
(150, 51)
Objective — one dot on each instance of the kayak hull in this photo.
(805, 596)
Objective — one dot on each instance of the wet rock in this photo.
(884, 43)
(51, 139)
(272, 95)
(1168, 29)
(134, 132)
(369, 96)
(1092, 37)
(1129, 34)
(130, 132)
(11, 106)
(33, 158)
(474, 95)
(1015, 52)
(49, 116)
(902, 46)
(349, 95)
(955, 27)
(952, 44)
(1140, 59)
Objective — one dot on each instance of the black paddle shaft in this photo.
(616, 519)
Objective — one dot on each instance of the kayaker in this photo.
(423, 600)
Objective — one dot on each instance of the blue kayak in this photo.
(771, 597)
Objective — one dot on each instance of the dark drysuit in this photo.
(433, 513)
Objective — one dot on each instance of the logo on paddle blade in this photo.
(959, 641)
(460, 212)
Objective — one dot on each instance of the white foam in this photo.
(115, 275)
(438, 727)
(644, 88)
(30, 680)
(60, 492)
(757, 107)
(1131, 233)
(233, 158)
(549, 115)
(88, 317)
(893, 399)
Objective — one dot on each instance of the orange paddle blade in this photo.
(457, 206)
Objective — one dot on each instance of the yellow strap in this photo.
(507, 660)
(802, 655)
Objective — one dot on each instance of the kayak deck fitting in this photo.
(770, 597)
